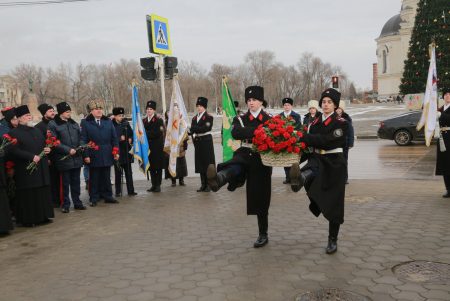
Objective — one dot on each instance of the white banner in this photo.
(429, 113)
(176, 127)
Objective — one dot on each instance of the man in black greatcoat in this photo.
(443, 147)
(67, 130)
(125, 137)
(246, 164)
(154, 128)
(33, 199)
(5, 211)
(48, 114)
(289, 113)
(200, 130)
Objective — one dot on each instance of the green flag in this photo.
(229, 145)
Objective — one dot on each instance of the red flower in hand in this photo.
(9, 164)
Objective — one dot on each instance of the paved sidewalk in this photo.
(184, 245)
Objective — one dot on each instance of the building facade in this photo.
(392, 48)
(10, 94)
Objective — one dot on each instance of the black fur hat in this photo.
(333, 94)
(255, 92)
(202, 101)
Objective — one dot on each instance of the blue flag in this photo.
(140, 143)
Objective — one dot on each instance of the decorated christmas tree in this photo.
(432, 24)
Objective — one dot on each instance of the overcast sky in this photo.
(341, 32)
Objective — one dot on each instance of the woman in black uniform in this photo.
(325, 173)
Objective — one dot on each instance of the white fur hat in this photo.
(313, 104)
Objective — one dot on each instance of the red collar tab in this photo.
(260, 117)
(327, 122)
(251, 117)
(315, 121)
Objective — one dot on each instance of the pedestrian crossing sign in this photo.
(158, 35)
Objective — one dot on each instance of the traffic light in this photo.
(170, 66)
(149, 71)
(335, 82)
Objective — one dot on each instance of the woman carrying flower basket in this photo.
(325, 173)
(246, 164)
(33, 197)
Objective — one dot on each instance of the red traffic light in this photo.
(335, 82)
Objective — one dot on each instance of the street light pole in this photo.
(162, 77)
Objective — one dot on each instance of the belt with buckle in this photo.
(203, 134)
(326, 152)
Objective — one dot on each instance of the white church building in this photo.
(392, 48)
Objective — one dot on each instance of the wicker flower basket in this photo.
(280, 160)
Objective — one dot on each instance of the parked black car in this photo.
(402, 128)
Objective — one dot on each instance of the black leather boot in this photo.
(298, 177)
(203, 186)
(261, 241)
(263, 225)
(217, 179)
(332, 245)
(182, 182)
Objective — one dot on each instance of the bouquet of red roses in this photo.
(7, 140)
(277, 142)
(89, 145)
(50, 142)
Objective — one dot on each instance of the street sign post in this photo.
(159, 43)
(158, 35)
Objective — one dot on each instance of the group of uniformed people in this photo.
(33, 197)
(324, 176)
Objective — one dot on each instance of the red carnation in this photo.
(300, 134)
(9, 164)
(290, 149)
(289, 128)
(263, 147)
(296, 149)
(286, 135)
(115, 150)
(272, 126)
(302, 145)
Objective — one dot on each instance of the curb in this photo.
(366, 137)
